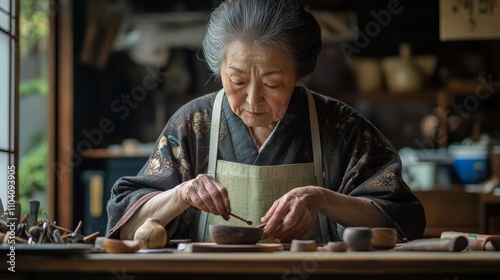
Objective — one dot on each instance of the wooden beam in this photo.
(52, 127)
(64, 210)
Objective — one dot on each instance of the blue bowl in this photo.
(471, 170)
(471, 164)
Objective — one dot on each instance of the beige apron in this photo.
(253, 189)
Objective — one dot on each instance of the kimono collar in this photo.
(284, 144)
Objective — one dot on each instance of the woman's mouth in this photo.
(254, 114)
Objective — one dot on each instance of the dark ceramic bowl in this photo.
(222, 234)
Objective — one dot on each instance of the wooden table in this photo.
(277, 265)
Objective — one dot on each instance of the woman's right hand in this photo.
(207, 194)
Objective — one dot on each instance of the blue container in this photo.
(471, 164)
(471, 170)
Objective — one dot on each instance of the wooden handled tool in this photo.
(33, 214)
(17, 218)
(455, 244)
(241, 219)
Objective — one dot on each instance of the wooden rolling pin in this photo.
(455, 244)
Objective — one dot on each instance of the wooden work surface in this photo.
(276, 265)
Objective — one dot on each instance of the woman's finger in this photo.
(289, 224)
(196, 200)
(206, 199)
(275, 219)
(295, 229)
(213, 196)
(222, 197)
(270, 212)
(225, 197)
(198, 196)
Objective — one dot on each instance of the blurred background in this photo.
(98, 80)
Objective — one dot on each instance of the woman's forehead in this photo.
(242, 54)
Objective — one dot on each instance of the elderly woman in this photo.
(265, 147)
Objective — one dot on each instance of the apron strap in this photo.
(316, 142)
(214, 134)
(318, 160)
(212, 156)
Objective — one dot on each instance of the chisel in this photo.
(33, 216)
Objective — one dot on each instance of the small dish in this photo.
(222, 234)
(115, 246)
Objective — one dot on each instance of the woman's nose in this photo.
(254, 96)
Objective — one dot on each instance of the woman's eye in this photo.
(272, 86)
(237, 82)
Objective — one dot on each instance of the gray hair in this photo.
(286, 24)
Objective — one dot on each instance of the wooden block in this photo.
(303, 246)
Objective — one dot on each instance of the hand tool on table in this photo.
(35, 233)
(33, 214)
(455, 244)
(57, 237)
(17, 218)
(43, 233)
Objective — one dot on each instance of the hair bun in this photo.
(301, 4)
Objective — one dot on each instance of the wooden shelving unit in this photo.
(475, 90)
(443, 97)
(429, 94)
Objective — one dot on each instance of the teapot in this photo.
(406, 73)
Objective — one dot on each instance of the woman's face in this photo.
(258, 82)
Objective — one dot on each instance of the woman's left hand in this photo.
(292, 215)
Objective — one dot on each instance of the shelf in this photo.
(452, 88)
(466, 87)
(110, 153)
(423, 95)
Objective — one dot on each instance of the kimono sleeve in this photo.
(365, 164)
(170, 163)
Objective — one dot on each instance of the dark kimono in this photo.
(357, 160)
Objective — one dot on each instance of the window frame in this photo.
(13, 123)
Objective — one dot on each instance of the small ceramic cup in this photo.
(384, 238)
(358, 238)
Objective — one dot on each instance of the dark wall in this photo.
(104, 116)
(99, 92)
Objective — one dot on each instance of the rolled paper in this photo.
(477, 242)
